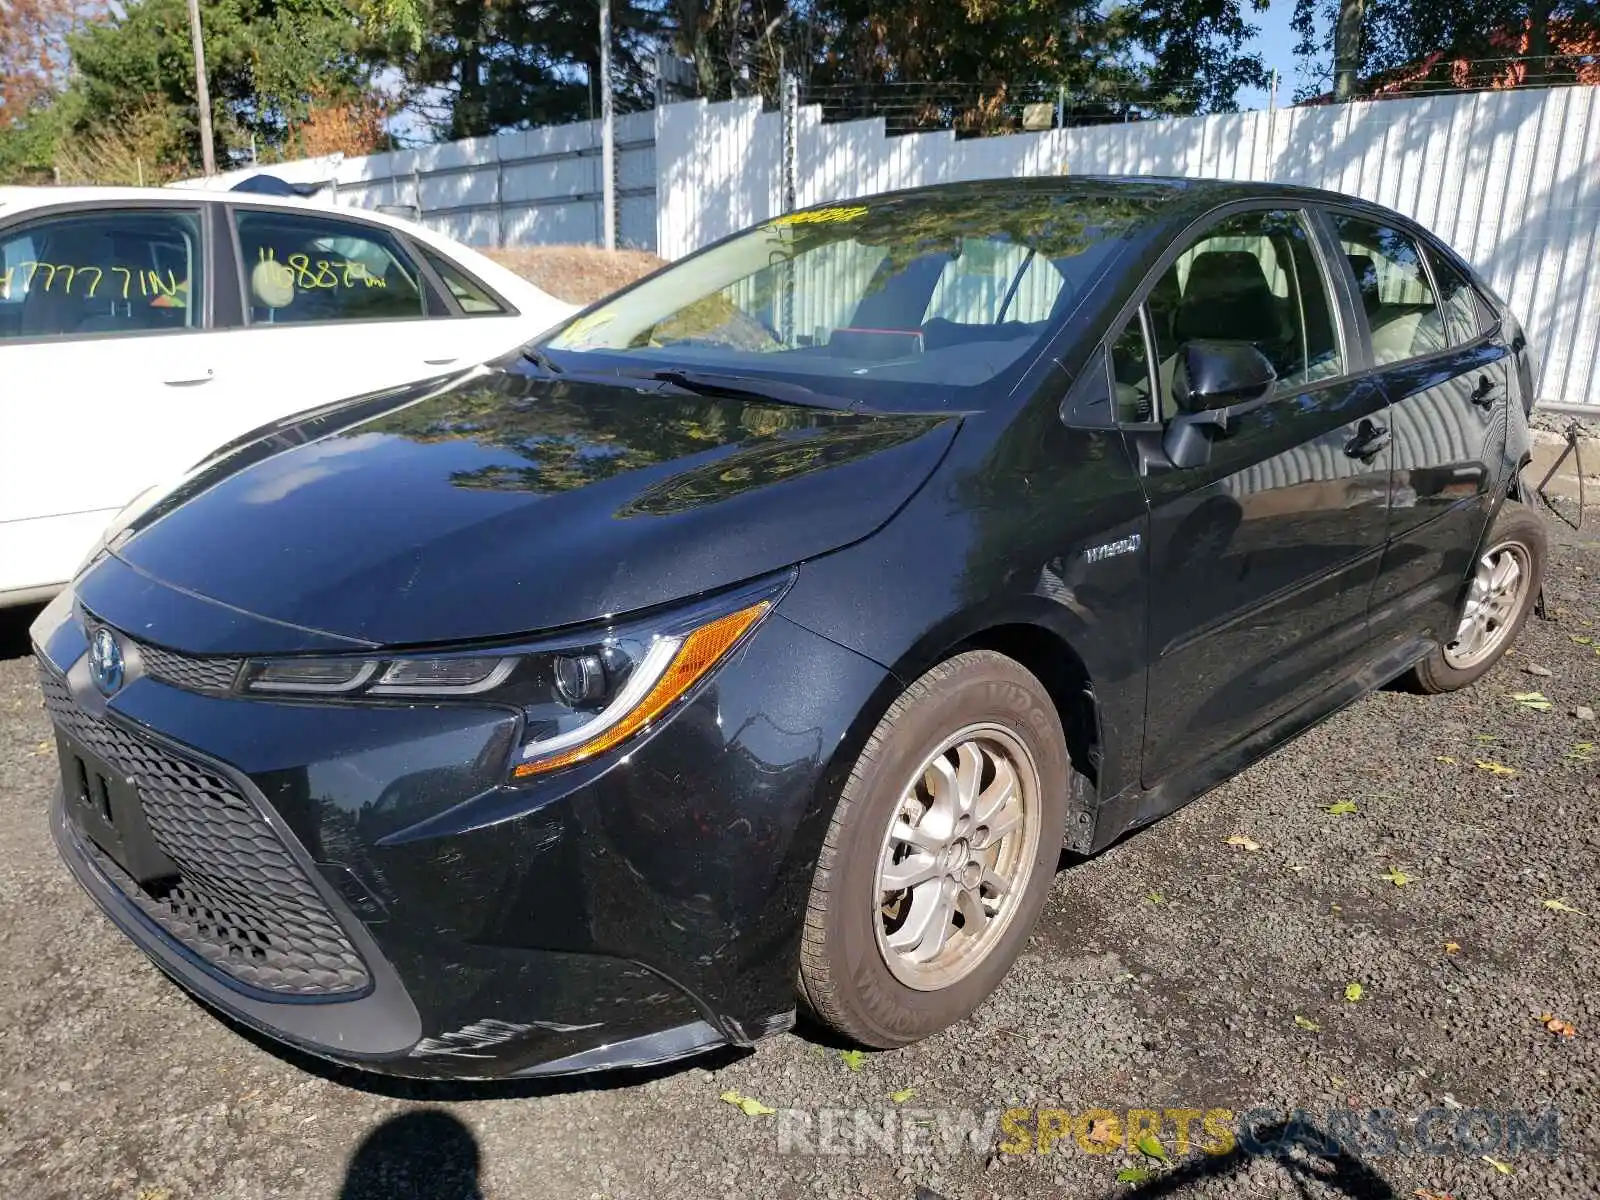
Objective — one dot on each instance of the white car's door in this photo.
(102, 355)
(335, 307)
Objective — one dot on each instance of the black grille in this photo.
(184, 671)
(240, 899)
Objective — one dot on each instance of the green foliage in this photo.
(1420, 44)
(129, 110)
(514, 66)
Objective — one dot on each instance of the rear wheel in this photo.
(940, 855)
(1500, 595)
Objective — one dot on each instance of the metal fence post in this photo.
(608, 136)
(790, 172)
(499, 196)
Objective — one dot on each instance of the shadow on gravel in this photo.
(420, 1155)
(455, 1091)
(14, 624)
(1311, 1160)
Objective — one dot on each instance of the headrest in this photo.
(271, 284)
(1227, 297)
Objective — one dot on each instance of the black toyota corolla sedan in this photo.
(760, 641)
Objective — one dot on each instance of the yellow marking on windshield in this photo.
(822, 216)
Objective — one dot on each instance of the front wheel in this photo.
(1501, 593)
(940, 855)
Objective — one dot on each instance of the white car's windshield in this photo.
(951, 287)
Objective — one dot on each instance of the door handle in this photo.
(1486, 393)
(187, 376)
(1370, 441)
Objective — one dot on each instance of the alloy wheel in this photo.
(1494, 598)
(958, 849)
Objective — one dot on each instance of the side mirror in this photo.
(1213, 382)
(1214, 374)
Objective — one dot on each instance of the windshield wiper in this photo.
(540, 359)
(707, 383)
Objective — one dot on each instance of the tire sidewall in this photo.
(1515, 522)
(1011, 698)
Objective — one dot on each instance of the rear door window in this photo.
(1458, 300)
(307, 268)
(472, 296)
(1394, 289)
(102, 272)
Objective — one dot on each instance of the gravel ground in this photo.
(1176, 971)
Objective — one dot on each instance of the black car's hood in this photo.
(507, 504)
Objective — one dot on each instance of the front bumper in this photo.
(630, 911)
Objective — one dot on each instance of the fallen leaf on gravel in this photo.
(746, 1104)
(155, 1193)
(1444, 758)
(1296, 867)
(1494, 768)
(1484, 737)
(1307, 1023)
(1503, 1168)
(1239, 839)
(1135, 1175)
(1398, 877)
(1155, 897)
(1556, 1025)
(1151, 1148)
(1452, 948)
(1537, 701)
(1581, 640)
(1354, 992)
(1541, 672)
(1583, 712)
(1105, 1131)
(1562, 906)
(854, 1059)
(1340, 809)
(1425, 1194)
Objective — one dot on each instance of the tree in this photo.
(506, 64)
(971, 63)
(1395, 46)
(33, 54)
(269, 65)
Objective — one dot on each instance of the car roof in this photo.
(1174, 195)
(20, 198)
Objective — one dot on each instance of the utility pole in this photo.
(608, 136)
(208, 155)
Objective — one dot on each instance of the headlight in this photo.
(579, 697)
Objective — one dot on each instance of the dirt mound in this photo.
(578, 274)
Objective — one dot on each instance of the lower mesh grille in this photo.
(240, 900)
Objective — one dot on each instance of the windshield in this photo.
(948, 287)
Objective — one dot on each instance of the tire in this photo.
(976, 708)
(1517, 533)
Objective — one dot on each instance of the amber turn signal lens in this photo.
(701, 650)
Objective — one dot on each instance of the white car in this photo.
(142, 328)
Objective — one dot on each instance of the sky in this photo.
(1275, 42)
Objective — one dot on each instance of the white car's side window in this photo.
(304, 268)
(472, 296)
(101, 272)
